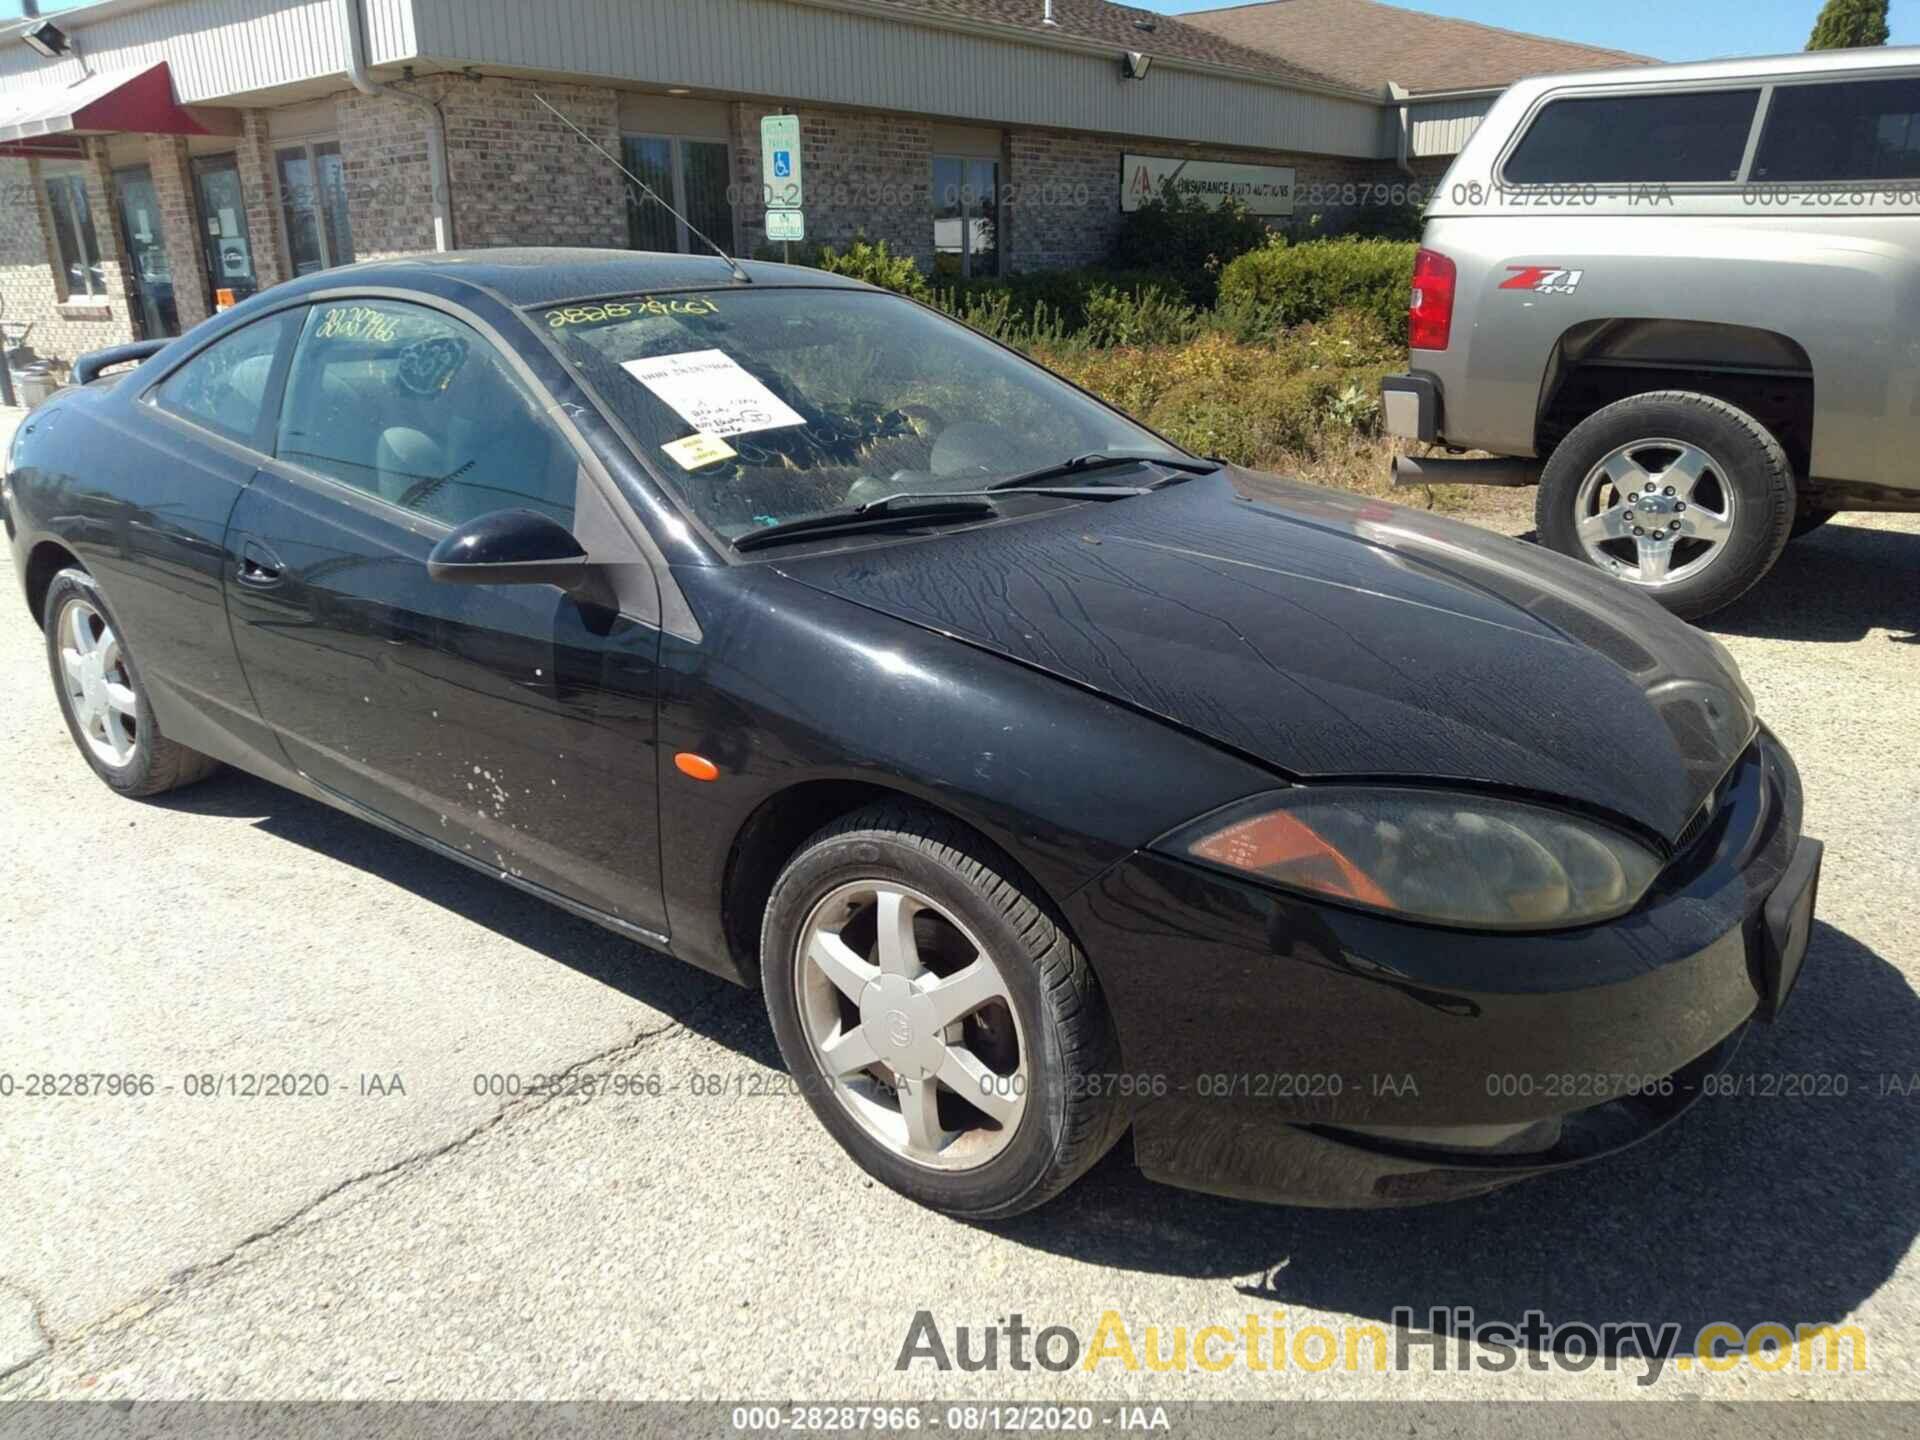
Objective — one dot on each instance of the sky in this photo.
(1664, 29)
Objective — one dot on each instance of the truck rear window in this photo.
(1630, 139)
(1853, 130)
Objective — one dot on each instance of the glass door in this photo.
(313, 197)
(147, 253)
(231, 275)
(694, 177)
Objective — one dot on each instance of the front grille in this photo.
(1697, 826)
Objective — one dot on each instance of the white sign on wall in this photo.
(1263, 189)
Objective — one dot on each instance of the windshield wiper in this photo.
(918, 505)
(872, 515)
(1103, 460)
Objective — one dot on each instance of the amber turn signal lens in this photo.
(697, 766)
(1280, 842)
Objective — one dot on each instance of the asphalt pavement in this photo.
(412, 1233)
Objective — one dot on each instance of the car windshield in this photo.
(766, 406)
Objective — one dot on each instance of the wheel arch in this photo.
(46, 560)
(1763, 372)
(780, 826)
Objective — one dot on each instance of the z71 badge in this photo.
(1543, 279)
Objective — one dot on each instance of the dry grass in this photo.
(1363, 464)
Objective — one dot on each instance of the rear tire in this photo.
(1681, 495)
(1035, 1031)
(98, 685)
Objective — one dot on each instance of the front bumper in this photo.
(1272, 1040)
(1412, 406)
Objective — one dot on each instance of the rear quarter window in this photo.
(1694, 137)
(1850, 130)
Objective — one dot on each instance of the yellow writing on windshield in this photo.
(648, 307)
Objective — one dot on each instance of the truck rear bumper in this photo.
(1412, 405)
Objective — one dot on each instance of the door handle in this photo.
(259, 566)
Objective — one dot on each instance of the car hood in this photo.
(1325, 634)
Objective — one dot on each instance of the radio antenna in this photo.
(734, 265)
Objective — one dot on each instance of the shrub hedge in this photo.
(1309, 282)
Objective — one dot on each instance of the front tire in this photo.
(101, 695)
(1681, 495)
(943, 1025)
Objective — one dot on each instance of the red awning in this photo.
(139, 102)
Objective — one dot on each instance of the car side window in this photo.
(411, 405)
(224, 387)
(1676, 139)
(1854, 130)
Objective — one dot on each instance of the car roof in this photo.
(530, 277)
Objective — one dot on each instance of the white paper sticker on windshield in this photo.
(708, 390)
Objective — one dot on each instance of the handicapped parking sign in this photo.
(780, 161)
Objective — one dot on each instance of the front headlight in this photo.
(1427, 855)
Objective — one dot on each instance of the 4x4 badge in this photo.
(1543, 279)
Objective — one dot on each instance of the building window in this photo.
(313, 197)
(693, 176)
(966, 216)
(73, 236)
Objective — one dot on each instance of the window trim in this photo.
(1758, 83)
(678, 144)
(305, 145)
(63, 267)
(933, 196)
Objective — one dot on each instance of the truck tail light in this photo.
(1430, 317)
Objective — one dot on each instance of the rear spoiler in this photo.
(88, 367)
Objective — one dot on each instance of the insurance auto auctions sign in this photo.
(1263, 189)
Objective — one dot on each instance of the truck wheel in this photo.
(1681, 495)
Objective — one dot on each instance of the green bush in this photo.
(1308, 283)
(877, 265)
(1183, 237)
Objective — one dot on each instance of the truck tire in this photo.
(1678, 494)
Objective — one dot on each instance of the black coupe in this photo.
(1046, 785)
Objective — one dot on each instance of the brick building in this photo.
(161, 158)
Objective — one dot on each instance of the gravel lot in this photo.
(437, 1243)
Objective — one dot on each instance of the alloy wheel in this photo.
(1655, 512)
(99, 685)
(911, 1021)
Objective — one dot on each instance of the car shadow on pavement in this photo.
(679, 991)
(1840, 583)
(1765, 1207)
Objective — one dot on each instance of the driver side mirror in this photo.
(511, 547)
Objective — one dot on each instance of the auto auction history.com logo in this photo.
(1450, 1338)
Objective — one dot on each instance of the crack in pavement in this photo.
(176, 1284)
(36, 1312)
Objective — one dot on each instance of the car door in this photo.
(512, 724)
(177, 456)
